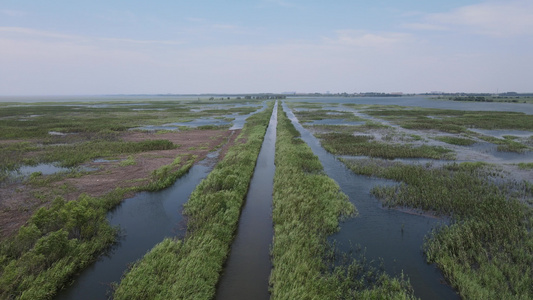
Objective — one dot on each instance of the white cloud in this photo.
(493, 18)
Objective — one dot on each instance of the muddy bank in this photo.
(19, 200)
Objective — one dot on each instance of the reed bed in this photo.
(306, 209)
(190, 268)
(487, 251)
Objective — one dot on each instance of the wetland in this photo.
(136, 198)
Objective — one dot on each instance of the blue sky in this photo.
(130, 47)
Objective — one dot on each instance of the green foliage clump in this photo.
(130, 161)
(165, 176)
(56, 243)
(190, 269)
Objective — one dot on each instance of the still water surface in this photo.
(248, 267)
(144, 220)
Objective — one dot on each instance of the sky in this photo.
(96, 47)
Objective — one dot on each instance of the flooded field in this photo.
(424, 134)
(111, 186)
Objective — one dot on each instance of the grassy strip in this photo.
(309, 116)
(525, 166)
(487, 252)
(307, 208)
(59, 241)
(190, 269)
(349, 144)
(72, 155)
(456, 140)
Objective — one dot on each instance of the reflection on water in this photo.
(45, 169)
(394, 236)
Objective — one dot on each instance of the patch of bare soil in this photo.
(19, 201)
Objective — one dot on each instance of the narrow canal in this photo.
(387, 234)
(145, 220)
(248, 267)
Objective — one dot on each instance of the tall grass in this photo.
(166, 175)
(306, 209)
(190, 268)
(56, 243)
(487, 251)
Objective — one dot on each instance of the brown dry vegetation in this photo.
(18, 201)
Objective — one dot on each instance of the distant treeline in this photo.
(484, 99)
(250, 97)
(370, 94)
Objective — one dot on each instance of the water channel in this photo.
(248, 266)
(387, 234)
(145, 220)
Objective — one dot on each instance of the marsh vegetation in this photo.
(307, 208)
(486, 250)
(64, 214)
(53, 225)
